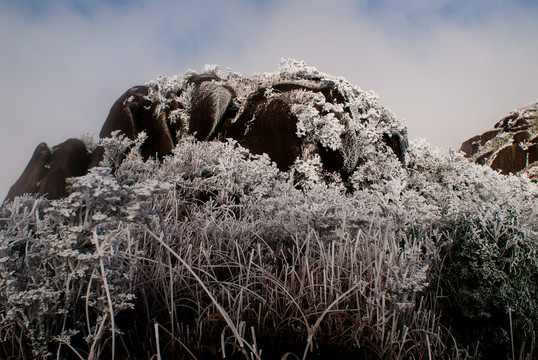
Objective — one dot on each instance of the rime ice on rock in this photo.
(332, 116)
(511, 146)
(296, 115)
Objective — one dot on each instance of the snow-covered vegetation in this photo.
(214, 252)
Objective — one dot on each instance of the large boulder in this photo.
(46, 173)
(33, 174)
(69, 159)
(511, 146)
(294, 116)
(154, 110)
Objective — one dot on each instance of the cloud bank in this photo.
(450, 69)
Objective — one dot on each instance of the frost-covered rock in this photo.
(511, 146)
(295, 115)
(291, 115)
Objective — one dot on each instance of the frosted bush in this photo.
(72, 261)
(345, 263)
(174, 98)
(488, 241)
(213, 69)
(291, 68)
(459, 186)
(327, 128)
(163, 86)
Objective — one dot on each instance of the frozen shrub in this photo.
(67, 266)
(487, 265)
(488, 282)
(228, 256)
(449, 180)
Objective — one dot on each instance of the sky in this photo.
(450, 68)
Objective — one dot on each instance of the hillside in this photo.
(194, 237)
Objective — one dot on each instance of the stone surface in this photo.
(510, 146)
(46, 173)
(273, 132)
(33, 174)
(133, 113)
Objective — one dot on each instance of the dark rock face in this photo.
(33, 174)
(510, 159)
(133, 113)
(47, 171)
(510, 147)
(295, 115)
(269, 125)
(69, 159)
(273, 132)
(210, 102)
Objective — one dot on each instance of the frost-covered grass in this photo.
(215, 252)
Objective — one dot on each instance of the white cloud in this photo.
(450, 71)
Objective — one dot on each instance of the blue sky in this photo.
(450, 68)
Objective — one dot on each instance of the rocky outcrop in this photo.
(46, 173)
(511, 146)
(133, 113)
(294, 115)
(69, 159)
(33, 174)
